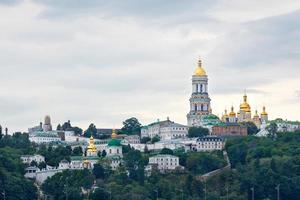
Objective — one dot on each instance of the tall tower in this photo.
(47, 124)
(199, 101)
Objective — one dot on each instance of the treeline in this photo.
(129, 180)
(263, 164)
(13, 184)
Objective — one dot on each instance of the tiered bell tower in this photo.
(199, 101)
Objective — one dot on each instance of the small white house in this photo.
(207, 143)
(166, 130)
(164, 162)
(131, 139)
(44, 137)
(27, 159)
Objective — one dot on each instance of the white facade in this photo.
(166, 130)
(44, 137)
(263, 130)
(27, 159)
(170, 144)
(114, 150)
(165, 162)
(131, 139)
(210, 143)
(115, 163)
(41, 139)
(287, 127)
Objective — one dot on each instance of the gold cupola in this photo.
(114, 134)
(225, 116)
(245, 106)
(256, 114)
(199, 70)
(264, 113)
(91, 147)
(232, 113)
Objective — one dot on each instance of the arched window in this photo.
(196, 107)
(201, 107)
(201, 88)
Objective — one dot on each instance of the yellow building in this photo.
(244, 114)
(91, 148)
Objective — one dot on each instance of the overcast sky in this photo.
(105, 61)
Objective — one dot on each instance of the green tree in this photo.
(251, 128)
(145, 140)
(103, 154)
(58, 128)
(66, 182)
(91, 131)
(197, 132)
(77, 151)
(166, 151)
(155, 139)
(100, 194)
(12, 180)
(131, 126)
(272, 129)
(42, 165)
(99, 171)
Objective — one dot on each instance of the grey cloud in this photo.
(265, 41)
(104, 69)
(10, 2)
(113, 8)
(257, 53)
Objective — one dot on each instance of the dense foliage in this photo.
(68, 184)
(129, 180)
(251, 128)
(259, 163)
(131, 126)
(91, 131)
(264, 163)
(197, 132)
(13, 185)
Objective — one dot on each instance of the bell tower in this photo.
(199, 101)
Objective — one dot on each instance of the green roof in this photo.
(114, 142)
(211, 116)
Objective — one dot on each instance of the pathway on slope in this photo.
(217, 171)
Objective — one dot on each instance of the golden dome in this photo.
(86, 162)
(245, 106)
(114, 134)
(199, 70)
(256, 114)
(232, 113)
(264, 113)
(91, 147)
(225, 115)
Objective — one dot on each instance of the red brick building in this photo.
(229, 129)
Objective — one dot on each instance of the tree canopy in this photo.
(91, 131)
(131, 126)
(197, 132)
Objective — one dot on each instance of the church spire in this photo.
(200, 70)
